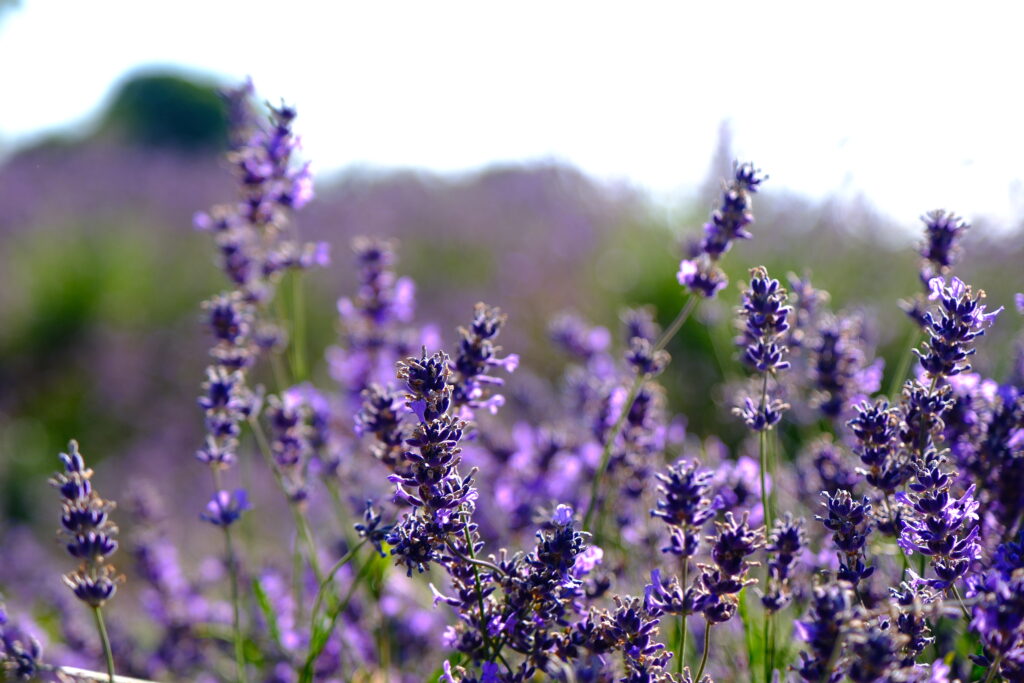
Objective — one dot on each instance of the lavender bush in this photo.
(410, 514)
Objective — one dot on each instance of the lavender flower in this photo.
(874, 654)
(912, 606)
(629, 629)
(290, 444)
(477, 354)
(876, 429)
(822, 630)
(20, 653)
(830, 464)
(684, 505)
(998, 620)
(226, 507)
(86, 526)
(440, 496)
(940, 525)
(785, 543)
(961, 320)
(574, 336)
(248, 233)
(640, 322)
(942, 231)
(806, 300)
(719, 584)
(763, 317)
(840, 373)
(381, 415)
(373, 322)
(644, 358)
(850, 523)
(702, 274)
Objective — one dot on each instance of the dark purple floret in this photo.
(840, 373)
(719, 584)
(849, 521)
(640, 322)
(760, 417)
(786, 542)
(942, 231)
(373, 529)
(876, 429)
(684, 505)
(702, 277)
(998, 618)
(644, 358)
(226, 507)
(873, 654)
(20, 653)
(912, 619)
(822, 629)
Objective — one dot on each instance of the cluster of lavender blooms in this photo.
(445, 529)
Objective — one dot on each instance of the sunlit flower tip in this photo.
(440, 597)
(225, 508)
(563, 515)
(687, 271)
(509, 363)
(587, 561)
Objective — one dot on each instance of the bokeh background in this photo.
(542, 160)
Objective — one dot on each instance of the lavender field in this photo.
(513, 425)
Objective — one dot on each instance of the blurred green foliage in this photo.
(166, 110)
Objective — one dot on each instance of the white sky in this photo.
(915, 105)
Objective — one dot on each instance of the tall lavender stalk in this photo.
(702, 276)
(256, 249)
(941, 525)
(764, 322)
(85, 525)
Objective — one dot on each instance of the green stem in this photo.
(479, 594)
(765, 628)
(108, 654)
(762, 448)
(682, 620)
(318, 647)
(327, 580)
(298, 515)
(960, 599)
(606, 453)
(707, 646)
(299, 328)
(236, 605)
(476, 562)
(900, 373)
(993, 670)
